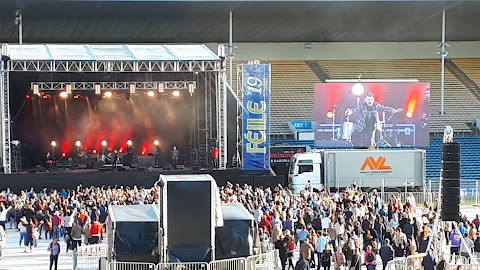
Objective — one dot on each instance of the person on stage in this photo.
(175, 155)
(368, 121)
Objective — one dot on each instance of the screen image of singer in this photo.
(393, 114)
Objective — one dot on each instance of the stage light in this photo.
(150, 93)
(68, 88)
(358, 89)
(108, 94)
(64, 154)
(409, 114)
(28, 97)
(129, 143)
(63, 94)
(176, 93)
(53, 143)
(98, 90)
(191, 88)
(104, 143)
(94, 151)
(78, 143)
(132, 88)
(36, 90)
(156, 142)
(161, 87)
(330, 113)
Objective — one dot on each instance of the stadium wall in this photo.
(350, 50)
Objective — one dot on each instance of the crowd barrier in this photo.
(265, 261)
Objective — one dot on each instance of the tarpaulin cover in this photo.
(135, 232)
(236, 237)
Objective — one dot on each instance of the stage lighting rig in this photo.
(98, 89)
(68, 89)
(108, 94)
(150, 93)
(35, 90)
(161, 87)
(191, 88)
(176, 93)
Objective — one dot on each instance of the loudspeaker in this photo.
(450, 216)
(451, 181)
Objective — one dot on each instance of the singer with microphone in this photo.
(368, 121)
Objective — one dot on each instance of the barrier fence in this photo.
(265, 261)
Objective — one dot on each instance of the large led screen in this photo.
(394, 114)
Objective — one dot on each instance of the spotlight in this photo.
(129, 143)
(98, 90)
(358, 89)
(161, 87)
(156, 142)
(78, 143)
(36, 90)
(94, 151)
(63, 94)
(176, 93)
(108, 94)
(53, 143)
(68, 88)
(330, 113)
(104, 143)
(191, 88)
(132, 88)
(150, 93)
(409, 114)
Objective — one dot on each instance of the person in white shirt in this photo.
(3, 215)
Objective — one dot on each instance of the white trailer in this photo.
(392, 170)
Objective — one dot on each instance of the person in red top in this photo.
(265, 224)
(215, 153)
(476, 221)
(96, 232)
(268, 216)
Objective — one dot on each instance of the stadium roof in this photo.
(92, 21)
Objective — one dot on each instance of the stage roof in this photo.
(82, 21)
(101, 53)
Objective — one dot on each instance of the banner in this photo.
(256, 117)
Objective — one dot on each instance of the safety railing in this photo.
(265, 261)
(229, 264)
(397, 264)
(183, 266)
(131, 266)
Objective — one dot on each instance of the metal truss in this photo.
(222, 119)
(120, 66)
(5, 118)
(118, 86)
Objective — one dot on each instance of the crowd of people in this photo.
(346, 230)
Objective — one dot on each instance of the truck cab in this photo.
(305, 167)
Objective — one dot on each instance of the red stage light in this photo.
(64, 154)
(411, 105)
(28, 97)
(94, 151)
(330, 113)
(409, 114)
(120, 151)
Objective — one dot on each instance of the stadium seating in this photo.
(461, 105)
(471, 68)
(292, 93)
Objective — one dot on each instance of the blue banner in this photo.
(256, 117)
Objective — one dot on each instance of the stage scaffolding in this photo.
(92, 58)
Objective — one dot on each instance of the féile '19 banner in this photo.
(256, 117)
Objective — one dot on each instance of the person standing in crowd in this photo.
(76, 235)
(306, 249)
(326, 256)
(429, 261)
(302, 264)
(54, 248)
(386, 253)
(96, 232)
(3, 241)
(370, 258)
(3, 214)
(339, 260)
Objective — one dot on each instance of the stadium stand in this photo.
(471, 68)
(461, 105)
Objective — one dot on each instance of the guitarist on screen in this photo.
(368, 121)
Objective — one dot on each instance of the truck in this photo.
(385, 170)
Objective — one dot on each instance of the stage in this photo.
(87, 178)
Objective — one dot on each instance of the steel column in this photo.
(5, 118)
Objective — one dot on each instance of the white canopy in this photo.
(107, 53)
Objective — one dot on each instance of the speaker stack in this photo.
(451, 182)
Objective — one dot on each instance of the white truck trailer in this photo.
(387, 170)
